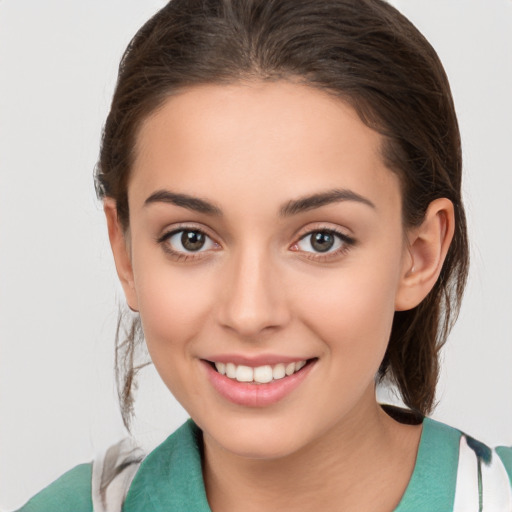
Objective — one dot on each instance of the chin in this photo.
(260, 447)
(263, 440)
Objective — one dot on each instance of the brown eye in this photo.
(188, 241)
(322, 241)
(192, 240)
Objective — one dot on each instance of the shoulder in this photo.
(70, 493)
(169, 478)
(456, 472)
(483, 474)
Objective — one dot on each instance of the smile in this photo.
(257, 386)
(261, 374)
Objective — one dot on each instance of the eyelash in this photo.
(180, 255)
(346, 243)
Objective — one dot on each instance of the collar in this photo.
(433, 481)
(170, 477)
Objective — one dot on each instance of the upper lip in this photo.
(256, 360)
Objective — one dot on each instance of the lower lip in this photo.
(256, 395)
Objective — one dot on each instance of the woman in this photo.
(281, 182)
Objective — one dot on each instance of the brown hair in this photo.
(364, 52)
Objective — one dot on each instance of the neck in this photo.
(362, 463)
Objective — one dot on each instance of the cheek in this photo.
(352, 310)
(174, 308)
(174, 304)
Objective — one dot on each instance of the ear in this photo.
(428, 246)
(121, 249)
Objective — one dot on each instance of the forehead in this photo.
(287, 138)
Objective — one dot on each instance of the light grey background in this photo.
(58, 289)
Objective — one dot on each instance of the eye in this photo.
(187, 241)
(324, 241)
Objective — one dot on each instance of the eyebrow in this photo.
(183, 200)
(292, 207)
(322, 199)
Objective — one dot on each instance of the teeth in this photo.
(263, 374)
(231, 370)
(279, 371)
(221, 368)
(244, 374)
(290, 369)
(260, 374)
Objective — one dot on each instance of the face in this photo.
(265, 241)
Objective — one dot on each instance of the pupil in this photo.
(322, 242)
(192, 240)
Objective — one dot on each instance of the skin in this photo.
(259, 287)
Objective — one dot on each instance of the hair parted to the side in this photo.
(364, 52)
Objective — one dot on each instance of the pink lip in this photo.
(255, 395)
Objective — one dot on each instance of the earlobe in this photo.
(428, 246)
(120, 250)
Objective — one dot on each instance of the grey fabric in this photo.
(112, 474)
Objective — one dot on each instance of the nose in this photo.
(253, 299)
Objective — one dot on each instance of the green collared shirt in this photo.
(170, 477)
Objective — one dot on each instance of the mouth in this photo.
(264, 374)
(259, 386)
(260, 374)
